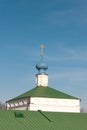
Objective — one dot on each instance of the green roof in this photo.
(44, 92)
(39, 120)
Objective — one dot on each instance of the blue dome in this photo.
(42, 66)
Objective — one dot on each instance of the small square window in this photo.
(19, 115)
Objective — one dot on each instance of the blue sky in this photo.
(62, 27)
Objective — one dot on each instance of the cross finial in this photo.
(42, 47)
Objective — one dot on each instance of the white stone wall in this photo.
(55, 105)
(45, 104)
(20, 104)
(42, 80)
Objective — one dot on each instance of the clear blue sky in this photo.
(61, 25)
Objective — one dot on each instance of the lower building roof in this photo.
(44, 92)
(39, 120)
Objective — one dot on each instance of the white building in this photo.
(43, 97)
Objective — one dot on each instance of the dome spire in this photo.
(41, 51)
(42, 77)
(41, 66)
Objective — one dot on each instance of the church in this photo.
(43, 97)
(43, 107)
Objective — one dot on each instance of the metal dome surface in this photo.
(42, 65)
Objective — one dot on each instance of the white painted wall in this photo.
(46, 104)
(20, 104)
(55, 105)
(42, 80)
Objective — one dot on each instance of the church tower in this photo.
(42, 76)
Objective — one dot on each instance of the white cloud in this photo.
(69, 54)
(70, 74)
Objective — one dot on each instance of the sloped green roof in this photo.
(44, 92)
(38, 120)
